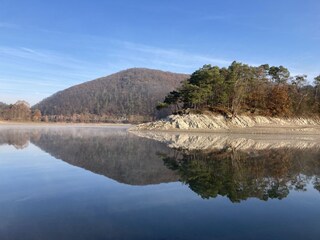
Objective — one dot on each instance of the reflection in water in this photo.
(242, 167)
(193, 141)
(17, 138)
(238, 175)
(238, 167)
(114, 153)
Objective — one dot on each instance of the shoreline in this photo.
(255, 130)
(242, 124)
(63, 124)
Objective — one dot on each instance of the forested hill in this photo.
(132, 93)
(2, 107)
(2, 104)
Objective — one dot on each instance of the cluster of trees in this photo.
(240, 88)
(20, 111)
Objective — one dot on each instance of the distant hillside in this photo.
(132, 92)
(3, 105)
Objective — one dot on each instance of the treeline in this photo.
(20, 111)
(93, 118)
(243, 89)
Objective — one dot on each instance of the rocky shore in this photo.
(215, 122)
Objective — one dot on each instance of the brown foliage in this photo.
(133, 92)
(279, 103)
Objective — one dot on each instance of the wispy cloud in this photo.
(8, 25)
(159, 52)
(42, 56)
(215, 17)
(168, 57)
(46, 61)
(25, 71)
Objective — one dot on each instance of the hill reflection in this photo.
(113, 153)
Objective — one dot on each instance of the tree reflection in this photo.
(239, 175)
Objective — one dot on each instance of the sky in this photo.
(47, 46)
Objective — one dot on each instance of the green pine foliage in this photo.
(241, 88)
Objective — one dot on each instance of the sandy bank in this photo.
(238, 124)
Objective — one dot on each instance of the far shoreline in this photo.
(66, 124)
(256, 130)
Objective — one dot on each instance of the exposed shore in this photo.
(61, 124)
(239, 124)
(193, 123)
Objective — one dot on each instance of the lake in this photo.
(108, 183)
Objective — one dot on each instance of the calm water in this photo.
(105, 183)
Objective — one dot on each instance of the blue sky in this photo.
(47, 46)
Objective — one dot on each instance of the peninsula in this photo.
(264, 98)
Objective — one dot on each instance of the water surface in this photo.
(106, 183)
